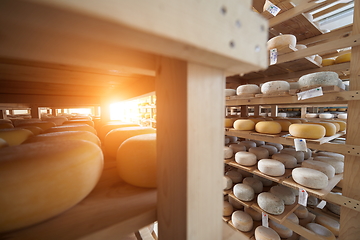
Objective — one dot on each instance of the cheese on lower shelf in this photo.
(15, 136)
(330, 223)
(271, 167)
(272, 149)
(270, 203)
(228, 152)
(227, 183)
(279, 146)
(227, 209)
(243, 192)
(248, 144)
(284, 232)
(44, 125)
(242, 221)
(244, 124)
(319, 78)
(337, 156)
(301, 212)
(310, 178)
(229, 122)
(69, 127)
(284, 193)
(255, 215)
(299, 155)
(324, 167)
(235, 176)
(321, 230)
(330, 128)
(255, 183)
(259, 152)
(288, 160)
(266, 182)
(342, 124)
(338, 165)
(310, 131)
(264, 233)
(248, 89)
(268, 127)
(245, 158)
(235, 203)
(273, 87)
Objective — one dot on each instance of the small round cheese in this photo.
(270, 203)
(242, 221)
(292, 217)
(255, 215)
(227, 209)
(299, 155)
(342, 124)
(255, 183)
(245, 158)
(243, 192)
(264, 233)
(301, 212)
(235, 203)
(259, 152)
(321, 231)
(288, 160)
(259, 143)
(283, 231)
(279, 146)
(235, 176)
(338, 165)
(324, 167)
(248, 89)
(281, 41)
(275, 87)
(329, 223)
(268, 127)
(319, 78)
(244, 124)
(334, 207)
(237, 147)
(230, 92)
(326, 115)
(271, 167)
(266, 182)
(227, 183)
(271, 149)
(248, 144)
(79, 135)
(15, 136)
(336, 156)
(310, 178)
(284, 193)
(226, 140)
(311, 131)
(228, 152)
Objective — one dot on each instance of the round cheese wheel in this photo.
(279, 146)
(19, 122)
(310, 131)
(228, 152)
(288, 160)
(334, 207)
(271, 149)
(136, 160)
(266, 182)
(338, 165)
(330, 128)
(255, 215)
(324, 167)
(307, 154)
(242, 221)
(227, 209)
(3, 143)
(275, 87)
(283, 231)
(74, 127)
(337, 156)
(235, 176)
(311, 115)
(248, 144)
(44, 125)
(343, 58)
(35, 130)
(342, 124)
(326, 115)
(310, 178)
(230, 92)
(292, 217)
(259, 152)
(284, 193)
(318, 59)
(15, 136)
(233, 139)
(270, 203)
(6, 125)
(264, 233)
(248, 88)
(342, 115)
(268, 127)
(116, 137)
(259, 143)
(50, 177)
(79, 135)
(312, 201)
(227, 183)
(235, 203)
(301, 212)
(255, 183)
(106, 128)
(237, 147)
(330, 223)
(321, 230)
(227, 140)
(271, 167)
(293, 120)
(328, 62)
(229, 122)
(319, 78)
(243, 192)
(299, 155)
(280, 41)
(284, 125)
(244, 124)
(245, 158)
(59, 120)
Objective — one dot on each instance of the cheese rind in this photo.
(106, 128)
(228, 152)
(71, 127)
(311, 131)
(237, 147)
(319, 78)
(301, 212)
(259, 152)
(76, 135)
(310, 178)
(299, 155)
(245, 158)
(15, 136)
(330, 128)
(343, 58)
(271, 167)
(227, 183)
(247, 88)
(268, 127)
(243, 192)
(288, 160)
(235, 176)
(275, 87)
(227, 209)
(264, 233)
(270, 203)
(324, 167)
(321, 230)
(281, 41)
(248, 144)
(284, 193)
(272, 149)
(283, 231)
(244, 124)
(230, 92)
(255, 183)
(336, 156)
(338, 165)
(242, 221)
(329, 223)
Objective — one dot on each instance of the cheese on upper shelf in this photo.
(324, 167)
(248, 89)
(255, 183)
(235, 176)
(245, 158)
(242, 221)
(330, 128)
(259, 152)
(244, 124)
(243, 192)
(270, 203)
(325, 78)
(271, 167)
(310, 178)
(230, 92)
(310, 131)
(272, 87)
(284, 193)
(343, 58)
(268, 127)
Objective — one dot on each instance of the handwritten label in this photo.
(300, 144)
(273, 56)
(315, 92)
(303, 196)
(265, 219)
(274, 10)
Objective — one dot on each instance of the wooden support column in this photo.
(274, 111)
(105, 111)
(35, 111)
(349, 219)
(189, 154)
(3, 114)
(244, 111)
(303, 112)
(53, 111)
(257, 110)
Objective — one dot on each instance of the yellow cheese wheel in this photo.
(327, 62)
(15, 136)
(3, 143)
(330, 128)
(136, 160)
(311, 131)
(17, 122)
(41, 180)
(285, 124)
(105, 129)
(66, 135)
(269, 127)
(5, 121)
(244, 124)
(88, 122)
(294, 120)
(44, 125)
(74, 127)
(229, 122)
(343, 58)
(6, 125)
(342, 124)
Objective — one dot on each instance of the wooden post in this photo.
(3, 114)
(257, 110)
(190, 156)
(274, 111)
(53, 111)
(244, 111)
(303, 112)
(35, 112)
(349, 219)
(105, 111)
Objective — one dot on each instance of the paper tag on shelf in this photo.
(315, 92)
(303, 196)
(273, 56)
(300, 144)
(273, 9)
(265, 219)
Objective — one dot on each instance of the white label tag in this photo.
(274, 10)
(273, 56)
(315, 92)
(303, 196)
(300, 144)
(265, 219)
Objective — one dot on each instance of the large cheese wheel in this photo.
(343, 58)
(321, 230)
(266, 182)
(310, 178)
(40, 180)
(248, 89)
(245, 158)
(117, 136)
(58, 120)
(255, 215)
(3, 143)
(237, 147)
(338, 165)
(301, 212)
(35, 130)
(248, 144)
(288, 160)
(319, 78)
(19, 122)
(243, 192)
(74, 127)
(15, 136)
(281, 41)
(242, 221)
(330, 223)
(294, 120)
(268, 127)
(299, 155)
(275, 87)
(330, 128)
(244, 124)
(227, 183)
(44, 125)
(342, 124)
(270, 203)
(283, 231)
(259, 152)
(136, 160)
(311, 131)
(227, 209)
(284, 125)
(284, 193)
(337, 156)
(324, 167)
(271, 149)
(228, 152)
(106, 128)
(230, 92)
(255, 183)
(264, 233)
(235, 203)
(235, 176)
(79, 135)
(279, 146)
(271, 167)
(229, 122)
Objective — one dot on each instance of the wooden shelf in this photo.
(249, 234)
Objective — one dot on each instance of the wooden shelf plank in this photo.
(244, 203)
(249, 234)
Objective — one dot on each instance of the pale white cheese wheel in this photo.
(307, 154)
(342, 115)
(235, 176)
(271, 167)
(248, 144)
(237, 148)
(336, 156)
(321, 230)
(227, 183)
(334, 207)
(312, 200)
(282, 41)
(259, 152)
(232, 139)
(255, 215)
(235, 203)
(330, 223)
(318, 59)
(243, 192)
(270, 203)
(255, 183)
(227, 140)
(227, 209)
(326, 115)
(292, 217)
(324, 167)
(246, 158)
(272, 149)
(288, 160)
(266, 182)
(248, 88)
(279, 146)
(311, 115)
(264, 233)
(299, 155)
(259, 143)
(283, 231)
(319, 78)
(230, 92)
(338, 165)
(301, 212)
(228, 152)
(284, 193)
(242, 221)
(310, 178)
(275, 87)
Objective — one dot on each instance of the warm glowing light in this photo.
(124, 111)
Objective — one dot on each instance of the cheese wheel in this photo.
(235, 203)
(79, 135)
(270, 203)
(326, 115)
(106, 128)
(255, 215)
(244, 124)
(343, 58)
(237, 147)
(275, 87)
(293, 120)
(259, 152)
(330, 128)
(334, 207)
(75, 127)
(299, 155)
(59, 120)
(248, 89)
(227, 183)
(279, 146)
(227, 140)
(44, 125)
(264, 233)
(248, 144)
(117, 136)
(310, 178)
(319, 78)
(321, 231)
(307, 154)
(292, 217)
(284, 193)
(245, 158)
(15, 136)
(3, 143)
(288, 160)
(266, 182)
(336, 156)
(268, 127)
(6, 125)
(312, 201)
(65, 172)
(330, 223)
(324, 167)
(271, 167)
(283, 231)
(271, 149)
(342, 115)
(310, 131)
(243, 192)
(311, 115)
(259, 143)
(235, 176)
(327, 62)
(227, 209)
(285, 40)
(228, 152)
(284, 125)
(35, 130)
(301, 212)
(338, 165)
(233, 139)
(229, 122)
(242, 221)
(255, 183)
(342, 124)
(230, 92)
(136, 160)
(88, 122)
